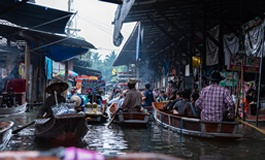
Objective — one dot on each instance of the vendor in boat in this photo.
(132, 101)
(9, 100)
(56, 87)
(215, 101)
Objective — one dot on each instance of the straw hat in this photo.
(58, 85)
(132, 81)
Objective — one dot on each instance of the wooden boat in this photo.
(193, 126)
(137, 119)
(79, 154)
(95, 117)
(5, 112)
(64, 129)
(5, 132)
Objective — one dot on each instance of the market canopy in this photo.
(177, 29)
(57, 47)
(34, 16)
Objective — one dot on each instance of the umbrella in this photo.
(122, 84)
(70, 73)
(87, 77)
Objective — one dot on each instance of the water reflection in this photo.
(118, 140)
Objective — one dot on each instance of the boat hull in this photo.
(6, 112)
(194, 126)
(130, 119)
(136, 119)
(64, 130)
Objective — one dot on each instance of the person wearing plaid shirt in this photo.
(215, 100)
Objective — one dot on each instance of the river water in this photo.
(117, 140)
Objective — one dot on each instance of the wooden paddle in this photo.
(21, 128)
(250, 125)
(113, 117)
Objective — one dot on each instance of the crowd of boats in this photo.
(68, 123)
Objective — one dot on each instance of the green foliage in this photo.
(105, 65)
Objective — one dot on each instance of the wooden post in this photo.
(242, 90)
(258, 96)
(27, 69)
(66, 75)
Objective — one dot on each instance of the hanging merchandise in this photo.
(231, 79)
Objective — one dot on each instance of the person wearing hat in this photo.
(215, 100)
(56, 87)
(132, 101)
(9, 100)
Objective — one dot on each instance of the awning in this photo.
(34, 16)
(56, 47)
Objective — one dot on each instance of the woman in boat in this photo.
(133, 99)
(190, 109)
(56, 87)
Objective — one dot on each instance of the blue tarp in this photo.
(34, 16)
(57, 47)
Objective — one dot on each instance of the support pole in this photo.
(258, 96)
(27, 70)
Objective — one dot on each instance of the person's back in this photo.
(190, 109)
(214, 100)
(132, 101)
(149, 97)
(173, 100)
(180, 105)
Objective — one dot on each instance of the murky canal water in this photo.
(117, 140)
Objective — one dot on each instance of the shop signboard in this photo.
(250, 64)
